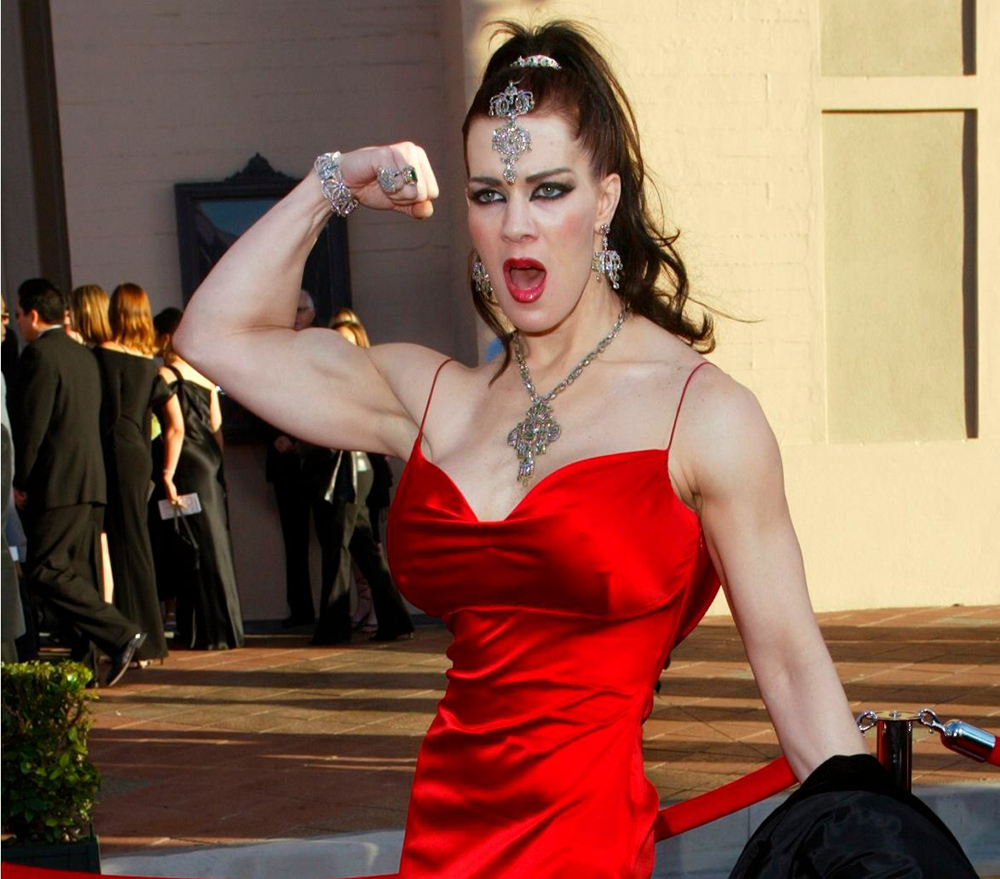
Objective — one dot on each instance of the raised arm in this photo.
(312, 384)
(737, 474)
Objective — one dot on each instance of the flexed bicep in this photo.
(311, 383)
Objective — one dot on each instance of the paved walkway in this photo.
(284, 740)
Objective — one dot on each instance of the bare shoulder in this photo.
(188, 373)
(725, 436)
(410, 370)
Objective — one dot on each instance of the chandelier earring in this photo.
(481, 279)
(607, 262)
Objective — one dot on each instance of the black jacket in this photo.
(850, 821)
(55, 417)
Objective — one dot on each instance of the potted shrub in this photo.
(48, 782)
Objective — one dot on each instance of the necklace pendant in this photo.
(532, 437)
(540, 429)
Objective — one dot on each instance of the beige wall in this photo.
(894, 209)
(731, 100)
(892, 37)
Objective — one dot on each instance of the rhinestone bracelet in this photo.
(327, 167)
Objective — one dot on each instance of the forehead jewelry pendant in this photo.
(511, 140)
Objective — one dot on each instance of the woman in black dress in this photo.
(194, 557)
(132, 389)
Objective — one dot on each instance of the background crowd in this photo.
(114, 494)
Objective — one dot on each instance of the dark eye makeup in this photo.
(548, 191)
(485, 196)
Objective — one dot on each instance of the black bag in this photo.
(849, 820)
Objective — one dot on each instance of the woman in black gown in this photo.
(194, 557)
(132, 389)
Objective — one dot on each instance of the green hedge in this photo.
(48, 783)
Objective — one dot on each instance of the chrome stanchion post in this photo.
(894, 735)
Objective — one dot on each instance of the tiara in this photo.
(537, 61)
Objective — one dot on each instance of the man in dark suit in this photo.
(299, 473)
(59, 480)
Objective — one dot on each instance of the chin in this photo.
(533, 319)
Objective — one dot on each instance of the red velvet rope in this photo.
(758, 785)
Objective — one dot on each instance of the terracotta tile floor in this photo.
(281, 739)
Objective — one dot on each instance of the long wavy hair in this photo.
(131, 318)
(89, 309)
(654, 282)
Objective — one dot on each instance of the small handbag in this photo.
(187, 505)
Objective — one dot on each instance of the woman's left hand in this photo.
(168, 484)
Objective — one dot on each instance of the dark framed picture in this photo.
(212, 215)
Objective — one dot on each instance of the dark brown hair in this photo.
(131, 320)
(164, 326)
(654, 281)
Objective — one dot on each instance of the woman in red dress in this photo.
(565, 514)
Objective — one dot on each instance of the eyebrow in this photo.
(531, 178)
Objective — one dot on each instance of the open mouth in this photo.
(525, 279)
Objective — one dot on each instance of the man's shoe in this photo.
(120, 662)
(392, 636)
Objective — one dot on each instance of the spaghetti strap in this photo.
(680, 402)
(427, 407)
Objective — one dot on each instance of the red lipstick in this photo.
(525, 279)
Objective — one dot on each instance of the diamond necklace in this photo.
(533, 435)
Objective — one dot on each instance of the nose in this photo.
(518, 223)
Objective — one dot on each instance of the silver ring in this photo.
(394, 179)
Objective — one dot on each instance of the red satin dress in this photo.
(563, 614)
